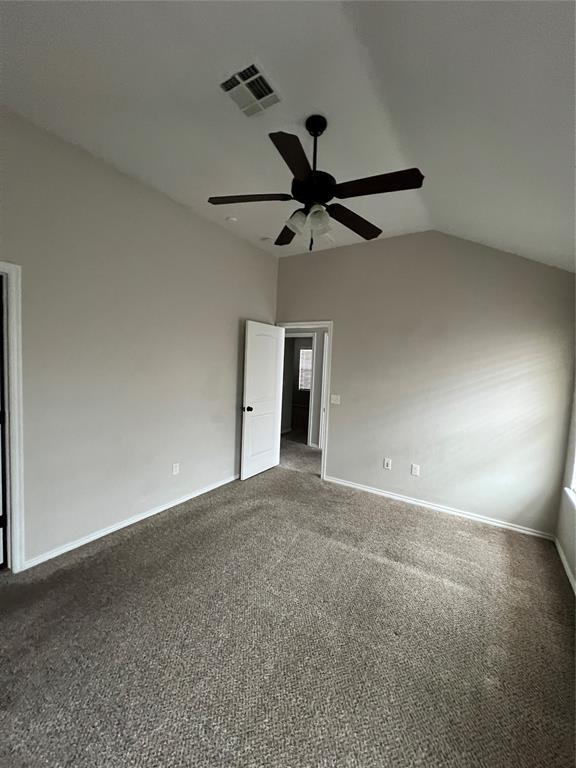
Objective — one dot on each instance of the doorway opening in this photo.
(304, 396)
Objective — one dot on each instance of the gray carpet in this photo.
(296, 436)
(283, 622)
(302, 458)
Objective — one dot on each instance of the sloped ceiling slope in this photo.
(478, 95)
(482, 94)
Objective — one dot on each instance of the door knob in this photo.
(248, 408)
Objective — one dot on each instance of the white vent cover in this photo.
(250, 90)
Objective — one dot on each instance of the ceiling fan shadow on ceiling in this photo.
(315, 189)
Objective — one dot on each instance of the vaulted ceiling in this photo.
(480, 96)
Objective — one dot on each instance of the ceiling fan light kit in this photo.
(319, 220)
(297, 222)
(315, 189)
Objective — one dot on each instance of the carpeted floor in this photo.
(283, 622)
(300, 457)
(296, 436)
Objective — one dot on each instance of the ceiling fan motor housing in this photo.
(316, 125)
(317, 187)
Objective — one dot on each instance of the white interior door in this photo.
(262, 406)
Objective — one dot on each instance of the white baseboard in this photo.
(441, 508)
(30, 563)
(569, 573)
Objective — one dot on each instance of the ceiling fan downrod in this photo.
(315, 125)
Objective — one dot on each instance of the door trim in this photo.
(14, 432)
(324, 397)
(328, 327)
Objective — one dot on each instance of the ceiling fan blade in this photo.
(354, 222)
(411, 178)
(247, 198)
(292, 153)
(285, 237)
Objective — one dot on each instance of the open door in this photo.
(262, 405)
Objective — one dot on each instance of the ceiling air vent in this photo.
(250, 90)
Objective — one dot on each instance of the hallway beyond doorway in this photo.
(296, 455)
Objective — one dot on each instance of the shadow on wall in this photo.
(483, 411)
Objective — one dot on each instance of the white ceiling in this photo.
(480, 96)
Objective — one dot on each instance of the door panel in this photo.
(261, 380)
(262, 405)
(262, 433)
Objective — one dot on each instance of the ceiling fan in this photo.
(315, 189)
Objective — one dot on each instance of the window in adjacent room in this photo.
(305, 369)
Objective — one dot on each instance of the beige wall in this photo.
(132, 314)
(450, 355)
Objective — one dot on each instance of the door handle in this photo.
(248, 408)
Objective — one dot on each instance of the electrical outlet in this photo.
(415, 470)
(176, 468)
(387, 463)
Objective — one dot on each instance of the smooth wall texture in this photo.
(450, 355)
(133, 312)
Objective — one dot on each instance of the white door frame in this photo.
(327, 326)
(312, 383)
(324, 398)
(14, 431)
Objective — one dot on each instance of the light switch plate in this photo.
(335, 399)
